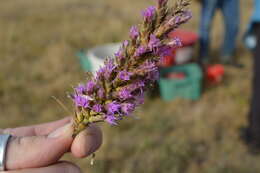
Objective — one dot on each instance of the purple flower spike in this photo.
(149, 13)
(97, 108)
(154, 42)
(118, 87)
(81, 101)
(111, 119)
(127, 108)
(140, 51)
(134, 32)
(113, 107)
(80, 89)
(125, 75)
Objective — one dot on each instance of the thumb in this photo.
(38, 151)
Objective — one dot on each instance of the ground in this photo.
(39, 40)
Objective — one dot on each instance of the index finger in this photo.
(36, 130)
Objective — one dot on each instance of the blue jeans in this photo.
(230, 11)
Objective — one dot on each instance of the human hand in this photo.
(38, 149)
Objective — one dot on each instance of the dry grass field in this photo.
(37, 52)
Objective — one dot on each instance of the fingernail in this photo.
(65, 131)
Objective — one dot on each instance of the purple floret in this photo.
(127, 108)
(107, 70)
(97, 108)
(148, 67)
(90, 86)
(134, 32)
(175, 42)
(101, 93)
(154, 42)
(164, 51)
(81, 101)
(119, 54)
(187, 15)
(125, 43)
(154, 75)
(124, 94)
(149, 13)
(113, 107)
(111, 119)
(139, 99)
(140, 51)
(80, 89)
(125, 75)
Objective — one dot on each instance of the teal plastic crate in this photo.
(84, 61)
(92, 59)
(188, 88)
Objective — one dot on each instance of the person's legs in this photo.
(230, 10)
(207, 13)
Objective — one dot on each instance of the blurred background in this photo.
(39, 40)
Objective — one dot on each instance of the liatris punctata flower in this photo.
(118, 87)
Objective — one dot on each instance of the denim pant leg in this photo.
(207, 13)
(230, 10)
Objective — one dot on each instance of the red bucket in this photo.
(188, 39)
(214, 73)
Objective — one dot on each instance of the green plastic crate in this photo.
(93, 59)
(188, 88)
(84, 61)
